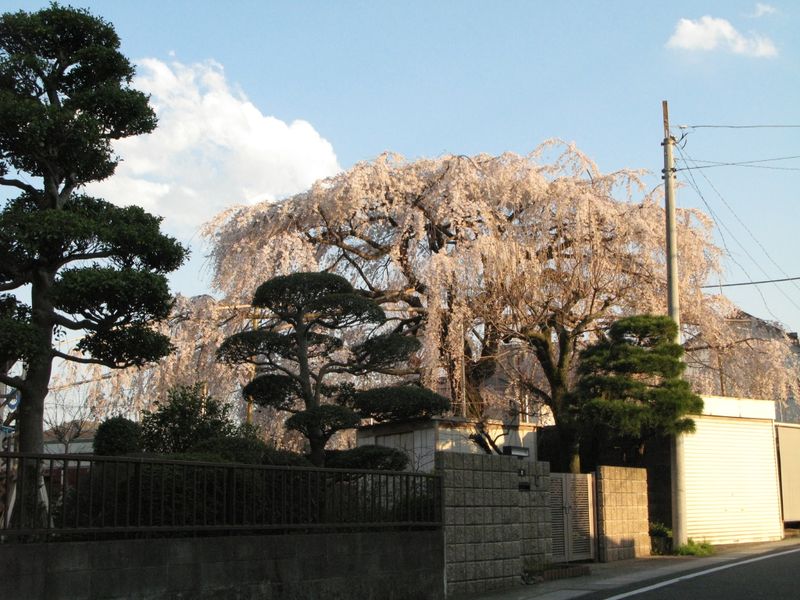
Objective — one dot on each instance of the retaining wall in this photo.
(379, 565)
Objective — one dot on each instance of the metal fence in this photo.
(60, 495)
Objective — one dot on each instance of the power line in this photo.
(721, 225)
(754, 164)
(719, 285)
(738, 126)
(752, 236)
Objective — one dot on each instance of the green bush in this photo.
(658, 529)
(189, 417)
(284, 458)
(367, 457)
(117, 436)
(692, 548)
(247, 448)
(398, 403)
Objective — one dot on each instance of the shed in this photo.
(420, 439)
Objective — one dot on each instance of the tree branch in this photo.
(12, 380)
(63, 321)
(12, 285)
(11, 182)
(89, 361)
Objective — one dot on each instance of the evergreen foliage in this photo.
(630, 388)
(317, 335)
(117, 436)
(368, 458)
(399, 403)
(93, 269)
(188, 420)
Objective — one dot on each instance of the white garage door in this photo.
(732, 491)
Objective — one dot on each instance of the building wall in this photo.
(622, 521)
(493, 528)
(379, 565)
(789, 454)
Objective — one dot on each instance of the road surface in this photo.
(772, 576)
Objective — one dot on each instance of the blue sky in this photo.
(257, 99)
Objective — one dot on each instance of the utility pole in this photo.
(679, 535)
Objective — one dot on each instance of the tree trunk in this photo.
(37, 376)
(317, 455)
(569, 450)
(30, 416)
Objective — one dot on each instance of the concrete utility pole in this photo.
(679, 535)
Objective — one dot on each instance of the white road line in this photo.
(655, 586)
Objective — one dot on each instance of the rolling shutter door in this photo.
(732, 492)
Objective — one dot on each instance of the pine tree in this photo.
(630, 388)
(309, 362)
(92, 269)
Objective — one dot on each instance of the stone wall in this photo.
(622, 520)
(496, 520)
(378, 565)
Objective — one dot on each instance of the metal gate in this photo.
(572, 516)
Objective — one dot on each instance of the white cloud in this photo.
(710, 33)
(212, 148)
(762, 10)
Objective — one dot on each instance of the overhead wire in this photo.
(751, 282)
(752, 164)
(752, 236)
(738, 126)
(722, 225)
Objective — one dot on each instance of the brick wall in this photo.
(493, 529)
(378, 565)
(622, 521)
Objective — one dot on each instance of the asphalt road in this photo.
(772, 576)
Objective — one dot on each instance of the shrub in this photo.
(658, 529)
(399, 403)
(243, 448)
(188, 418)
(692, 548)
(117, 436)
(367, 457)
(284, 458)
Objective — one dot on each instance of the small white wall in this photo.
(422, 439)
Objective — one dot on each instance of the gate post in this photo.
(622, 517)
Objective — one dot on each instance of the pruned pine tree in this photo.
(91, 269)
(315, 344)
(630, 389)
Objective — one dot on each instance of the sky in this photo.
(257, 99)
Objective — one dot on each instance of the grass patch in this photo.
(692, 548)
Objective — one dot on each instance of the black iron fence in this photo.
(61, 495)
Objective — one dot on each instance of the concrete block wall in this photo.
(376, 565)
(492, 528)
(535, 522)
(622, 516)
